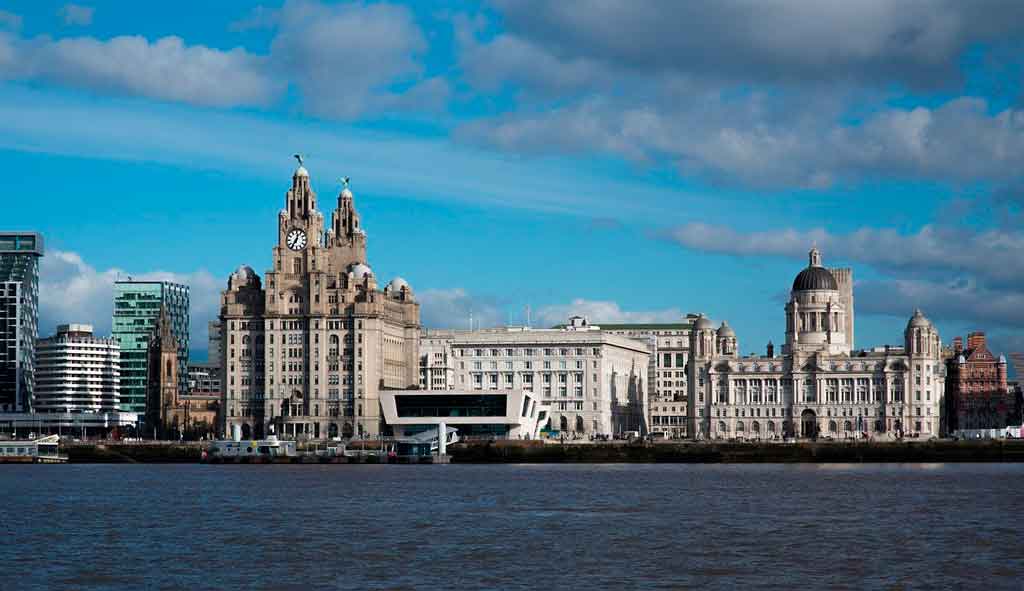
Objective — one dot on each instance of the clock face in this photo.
(296, 239)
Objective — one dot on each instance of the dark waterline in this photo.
(636, 526)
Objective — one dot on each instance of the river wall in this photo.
(130, 453)
(537, 452)
(935, 451)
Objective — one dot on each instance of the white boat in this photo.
(255, 449)
(40, 451)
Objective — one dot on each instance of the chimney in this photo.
(976, 340)
(958, 345)
(771, 349)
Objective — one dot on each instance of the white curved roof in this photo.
(359, 270)
(301, 171)
(397, 284)
(703, 323)
(919, 320)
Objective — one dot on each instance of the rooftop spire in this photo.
(814, 257)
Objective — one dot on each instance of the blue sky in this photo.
(628, 160)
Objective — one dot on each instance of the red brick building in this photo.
(977, 396)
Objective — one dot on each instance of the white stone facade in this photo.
(593, 381)
(437, 363)
(820, 386)
(491, 414)
(669, 346)
(77, 372)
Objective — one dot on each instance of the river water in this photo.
(639, 526)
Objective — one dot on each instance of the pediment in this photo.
(981, 354)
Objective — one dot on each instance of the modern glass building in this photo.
(19, 317)
(136, 310)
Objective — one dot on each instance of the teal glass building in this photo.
(136, 310)
(19, 317)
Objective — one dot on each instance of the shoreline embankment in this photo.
(513, 452)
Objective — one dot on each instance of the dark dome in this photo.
(815, 278)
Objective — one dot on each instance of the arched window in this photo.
(168, 369)
(832, 427)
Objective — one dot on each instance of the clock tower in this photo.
(307, 352)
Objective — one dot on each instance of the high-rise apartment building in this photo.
(77, 372)
(137, 306)
(307, 353)
(19, 317)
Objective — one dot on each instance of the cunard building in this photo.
(306, 351)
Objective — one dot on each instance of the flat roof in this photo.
(21, 242)
(650, 326)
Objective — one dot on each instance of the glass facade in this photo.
(451, 405)
(19, 318)
(136, 311)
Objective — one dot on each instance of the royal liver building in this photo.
(820, 386)
(307, 354)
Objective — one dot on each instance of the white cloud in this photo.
(973, 277)
(72, 291)
(782, 94)
(992, 255)
(345, 59)
(76, 14)
(962, 301)
(752, 141)
(166, 69)
(453, 308)
(598, 311)
(781, 40)
(509, 59)
(254, 146)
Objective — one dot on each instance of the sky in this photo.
(627, 160)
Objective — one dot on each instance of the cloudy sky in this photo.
(625, 159)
